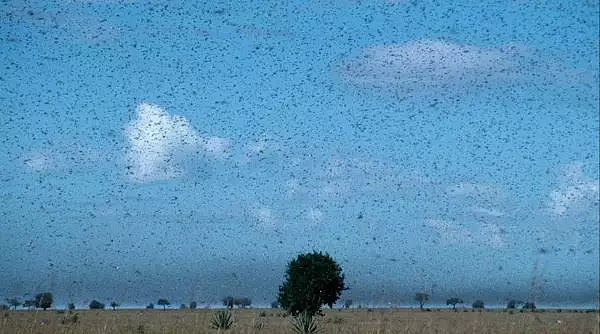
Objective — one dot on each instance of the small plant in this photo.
(221, 320)
(305, 323)
(262, 314)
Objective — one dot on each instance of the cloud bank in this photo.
(159, 143)
(420, 65)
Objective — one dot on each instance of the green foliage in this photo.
(478, 304)
(312, 280)
(182, 307)
(305, 323)
(44, 300)
(422, 298)
(228, 302)
(13, 302)
(163, 302)
(96, 305)
(221, 320)
(348, 303)
(453, 301)
(29, 303)
(193, 305)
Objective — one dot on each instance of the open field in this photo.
(335, 321)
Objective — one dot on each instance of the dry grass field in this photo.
(270, 321)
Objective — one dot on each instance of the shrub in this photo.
(262, 314)
(96, 305)
(193, 305)
(221, 320)
(305, 323)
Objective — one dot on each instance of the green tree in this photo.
(114, 305)
(422, 298)
(29, 303)
(164, 303)
(312, 280)
(193, 305)
(44, 300)
(13, 302)
(453, 301)
(228, 302)
(96, 305)
(348, 303)
(478, 304)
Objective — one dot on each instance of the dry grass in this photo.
(335, 321)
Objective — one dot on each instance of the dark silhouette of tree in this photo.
(348, 303)
(478, 304)
(182, 306)
(275, 304)
(422, 298)
(193, 305)
(70, 307)
(150, 306)
(29, 303)
(243, 302)
(4, 307)
(13, 302)
(44, 300)
(164, 303)
(229, 302)
(312, 280)
(114, 305)
(529, 306)
(96, 305)
(453, 301)
(513, 304)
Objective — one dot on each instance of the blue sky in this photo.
(190, 151)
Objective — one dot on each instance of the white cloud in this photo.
(488, 211)
(315, 215)
(40, 160)
(456, 234)
(264, 214)
(574, 191)
(433, 64)
(158, 140)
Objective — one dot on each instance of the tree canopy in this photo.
(422, 298)
(312, 280)
(44, 300)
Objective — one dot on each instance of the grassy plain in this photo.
(335, 321)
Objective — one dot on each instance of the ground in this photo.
(271, 321)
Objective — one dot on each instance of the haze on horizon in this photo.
(189, 151)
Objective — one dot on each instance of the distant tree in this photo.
(193, 305)
(13, 302)
(44, 300)
(453, 301)
(422, 298)
(29, 303)
(96, 305)
(529, 306)
(150, 306)
(244, 302)
(229, 302)
(478, 304)
(348, 303)
(311, 280)
(70, 307)
(275, 304)
(164, 303)
(513, 304)
(114, 305)
(182, 306)
(4, 307)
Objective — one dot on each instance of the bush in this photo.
(262, 314)
(305, 323)
(193, 305)
(221, 320)
(150, 306)
(96, 305)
